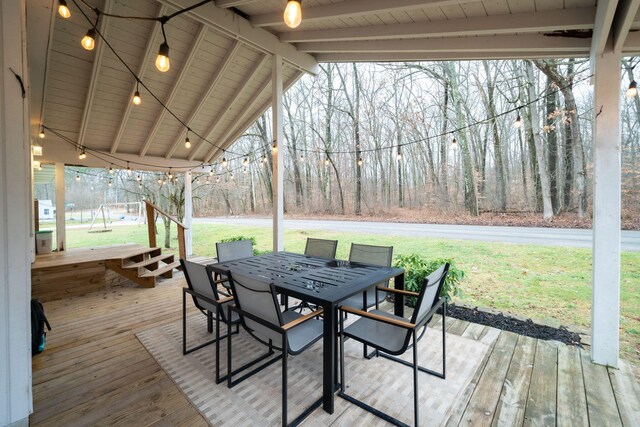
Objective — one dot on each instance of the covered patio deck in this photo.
(95, 371)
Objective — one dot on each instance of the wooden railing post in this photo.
(182, 249)
(151, 224)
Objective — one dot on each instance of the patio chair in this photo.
(288, 332)
(203, 290)
(231, 251)
(369, 254)
(392, 335)
(321, 248)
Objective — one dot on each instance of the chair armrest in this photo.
(219, 281)
(302, 319)
(397, 291)
(377, 317)
(224, 299)
(206, 298)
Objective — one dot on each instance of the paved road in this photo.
(526, 235)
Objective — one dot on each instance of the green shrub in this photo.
(416, 268)
(253, 242)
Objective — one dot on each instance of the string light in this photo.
(162, 60)
(633, 89)
(89, 40)
(326, 161)
(224, 162)
(245, 162)
(399, 153)
(110, 182)
(140, 186)
(77, 176)
(454, 141)
(207, 181)
(360, 161)
(274, 147)
(293, 13)
(111, 168)
(518, 121)
(63, 9)
(137, 100)
(187, 143)
(231, 175)
(244, 169)
(217, 179)
(138, 178)
(170, 174)
(263, 160)
(160, 180)
(82, 155)
(211, 171)
(302, 157)
(41, 135)
(129, 171)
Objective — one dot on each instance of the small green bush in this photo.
(416, 268)
(253, 242)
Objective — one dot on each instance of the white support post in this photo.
(605, 312)
(16, 238)
(61, 230)
(188, 213)
(278, 153)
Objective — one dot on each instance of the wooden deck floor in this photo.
(94, 371)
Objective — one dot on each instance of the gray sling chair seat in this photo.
(392, 335)
(288, 332)
(203, 290)
(231, 251)
(319, 248)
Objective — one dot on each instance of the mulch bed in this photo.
(518, 326)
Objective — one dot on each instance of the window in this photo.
(46, 211)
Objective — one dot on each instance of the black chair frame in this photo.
(410, 343)
(284, 353)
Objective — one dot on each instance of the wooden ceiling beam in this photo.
(215, 80)
(95, 71)
(151, 51)
(258, 64)
(623, 21)
(351, 8)
(602, 28)
(522, 43)
(202, 31)
(536, 22)
(232, 3)
(446, 56)
(239, 130)
(233, 25)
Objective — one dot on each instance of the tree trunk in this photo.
(552, 145)
(501, 190)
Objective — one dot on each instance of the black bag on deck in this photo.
(38, 320)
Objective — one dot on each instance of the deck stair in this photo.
(144, 266)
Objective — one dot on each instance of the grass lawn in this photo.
(546, 283)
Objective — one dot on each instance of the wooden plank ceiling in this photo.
(221, 61)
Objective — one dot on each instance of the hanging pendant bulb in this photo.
(326, 161)
(454, 141)
(162, 60)
(399, 157)
(302, 158)
(518, 123)
(82, 155)
(170, 174)
(89, 40)
(207, 181)
(293, 13)
(217, 179)
(360, 161)
(231, 175)
(211, 171)
(244, 170)
(41, 135)
(160, 180)
(111, 169)
(138, 178)
(137, 100)
(63, 9)
(633, 89)
(140, 186)
(224, 162)
(129, 171)
(110, 182)
(245, 162)
(274, 148)
(187, 143)
(263, 160)
(77, 176)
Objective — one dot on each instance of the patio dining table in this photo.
(322, 282)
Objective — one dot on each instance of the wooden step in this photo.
(139, 256)
(115, 265)
(168, 258)
(165, 271)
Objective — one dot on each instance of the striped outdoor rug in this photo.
(381, 383)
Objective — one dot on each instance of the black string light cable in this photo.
(162, 20)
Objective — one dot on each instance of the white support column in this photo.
(278, 153)
(16, 238)
(605, 312)
(61, 230)
(188, 213)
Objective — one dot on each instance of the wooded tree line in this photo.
(443, 137)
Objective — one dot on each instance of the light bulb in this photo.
(63, 9)
(129, 171)
(293, 13)
(360, 161)
(170, 174)
(244, 169)
(217, 179)
(326, 161)
(82, 155)
(454, 142)
(111, 169)
(136, 98)
(224, 162)
(633, 89)
(187, 143)
(231, 175)
(41, 134)
(110, 182)
(138, 177)
(162, 61)
(208, 182)
(245, 162)
(399, 155)
(77, 177)
(518, 122)
(140, 186)
(274, 147)
(89, 40)
(211, 172)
